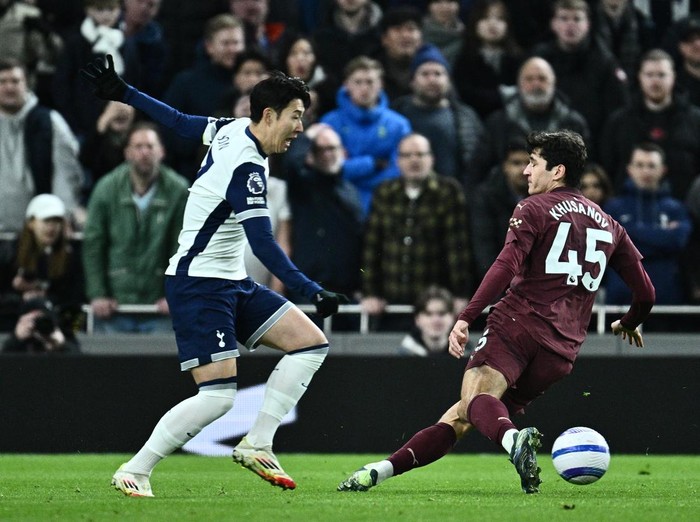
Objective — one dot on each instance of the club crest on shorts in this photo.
(220, 335)
(255, 183)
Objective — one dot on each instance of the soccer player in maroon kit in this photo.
(556, 251)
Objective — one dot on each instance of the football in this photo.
(580, 455)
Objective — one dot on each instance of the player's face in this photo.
(570, 26)
(431, 83)
(286, 126)
(13, 89)
(540, 178)
(225, 45)
(646, 168)
(144, 153)
(656, 78)
(364, 87)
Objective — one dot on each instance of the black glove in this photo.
(107, 84)
(327, 302)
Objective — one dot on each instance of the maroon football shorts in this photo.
(529, 369)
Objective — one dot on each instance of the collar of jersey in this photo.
(257, 143)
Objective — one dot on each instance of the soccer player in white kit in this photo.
(212, 301)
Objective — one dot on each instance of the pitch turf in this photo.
(459, 487)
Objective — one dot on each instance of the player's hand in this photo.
(107, 84)
(459, 336)
(327, 302)
(632, 336)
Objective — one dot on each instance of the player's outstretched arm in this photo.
(632, 336)
(108, 85)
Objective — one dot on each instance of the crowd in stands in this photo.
(410, 164)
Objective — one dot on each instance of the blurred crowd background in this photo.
(401, 187)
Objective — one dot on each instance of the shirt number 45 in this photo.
(571, 267)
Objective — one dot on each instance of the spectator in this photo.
(27, 36)
(664, 15)
(251, 67)
(96, 36)
(492, 205)
(401, 37)
(453, 128)
(583, 65)
(486, 67)
(202, 89)
(658, 224)
(297, 56)
(351, 30)
(103, 151)
(45, 157)
(443, 27)
(183, 24)
(688, 67)
(326, 210)
(47, 281)
(659, 116)
(259, 34)
(625, 30)
(595, 184)
(144, 36)
(134, 218)
(433, 317)
(416, 236)
(691, 255)
(369, 129)
(535, 107)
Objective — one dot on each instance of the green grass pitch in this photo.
(458, 487)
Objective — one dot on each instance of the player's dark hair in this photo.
(561, 148)
(276, 92)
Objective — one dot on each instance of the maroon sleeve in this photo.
(643, 294)
(496, 280)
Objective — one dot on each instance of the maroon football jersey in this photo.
(569, 242)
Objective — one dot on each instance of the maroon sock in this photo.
(490, 416)
(426, 446)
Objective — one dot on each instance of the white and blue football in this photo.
(580, 455)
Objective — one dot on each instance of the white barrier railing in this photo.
(599, 310)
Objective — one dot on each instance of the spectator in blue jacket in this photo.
(659, 225)
(369, 129)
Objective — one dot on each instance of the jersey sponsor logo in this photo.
(255, 201)
(255, 183)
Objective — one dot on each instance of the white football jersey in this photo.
(232, 175)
